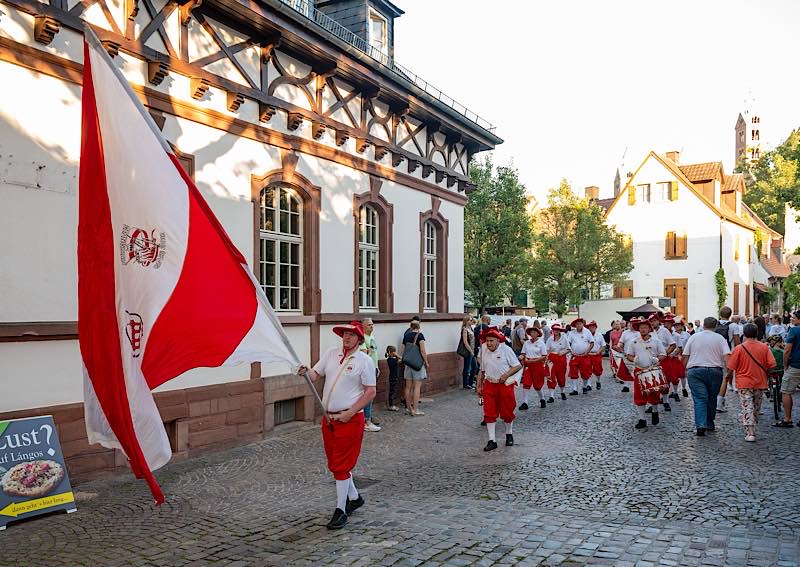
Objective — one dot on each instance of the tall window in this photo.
(643, 192)
(378, 36)
(281, 245)
(368, 252)
(429, 258)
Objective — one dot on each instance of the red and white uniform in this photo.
(498, 397)
(668, 365)
(680, 342)
(624, 371)
(557, 355)
(534, 369)
(596, 354)
(342, 389)
(579, 344)
(646, 354)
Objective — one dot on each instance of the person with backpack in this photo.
(751, 361)
(519, 336)
(732, 334)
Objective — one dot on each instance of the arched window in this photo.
(429, 262)
(280, 268)
(368, 257)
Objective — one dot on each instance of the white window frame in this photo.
(384, 45)
(275, 237)
(368, 258)
(430, 264)
(644, 192)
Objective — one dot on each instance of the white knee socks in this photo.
(342, 487)
(509, 428)
(525, 395)
(640, 411)
(490, 427)
(541, 394)
(352, 492)
(683, 383)
(574, 384)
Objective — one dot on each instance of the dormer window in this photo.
(378, 35)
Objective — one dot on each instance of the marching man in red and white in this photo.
(681, 337)
(645, 353)
(557, 351)
(534, 355)
(625, 366)
(349, 386)
(596, 353)
(496, 382)
(581, 342)
(668, 365)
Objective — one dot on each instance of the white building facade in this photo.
(684, 223)
(342, 179)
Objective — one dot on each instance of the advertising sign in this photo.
(33, 477)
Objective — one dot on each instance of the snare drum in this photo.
(652, 380)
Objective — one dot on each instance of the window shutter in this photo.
(673, 191)
(681, 245)
(631, 195)
(669, 245)
(736, 248)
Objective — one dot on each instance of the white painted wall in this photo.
(603, 311)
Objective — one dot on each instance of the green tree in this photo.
(791, 287)
(774, 180)
(575, 249)
(497, 235)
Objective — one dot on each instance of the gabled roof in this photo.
(681, 176)
(703, 171)
(732, 182)
(774, 267)
(774, 234)
(605, 204)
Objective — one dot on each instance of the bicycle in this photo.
(774, 392)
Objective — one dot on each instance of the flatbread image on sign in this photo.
(32, 479)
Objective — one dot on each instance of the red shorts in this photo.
(676, 369)
(533, 375)
(343, 444)
(558, 372)
(640, 398)
(580, 365)
(680, 370)
(596, 361)
(498, 401)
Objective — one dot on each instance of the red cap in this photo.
(353, 327)
(557, 327)
(493, 332)
(534, 330)
(592, 324)
(578, 320)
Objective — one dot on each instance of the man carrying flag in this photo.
(349, 386)
(161, 287)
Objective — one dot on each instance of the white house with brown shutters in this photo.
(684, 222)
(341, 176)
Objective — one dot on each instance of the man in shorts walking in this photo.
(791, 370)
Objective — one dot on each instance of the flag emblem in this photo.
(139, 246)
(134, 330)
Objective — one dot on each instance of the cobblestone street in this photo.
(581, 486)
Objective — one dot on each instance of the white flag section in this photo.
(161, 288)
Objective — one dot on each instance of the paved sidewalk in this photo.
(581, 486)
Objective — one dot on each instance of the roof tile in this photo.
(702, 171)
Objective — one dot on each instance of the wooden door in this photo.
(735, 298)
(747, 300)
(678, 289)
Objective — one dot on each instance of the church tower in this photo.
(748, 134)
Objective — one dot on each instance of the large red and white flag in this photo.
(161, 287)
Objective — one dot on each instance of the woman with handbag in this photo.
(751, 361)
(415, 360)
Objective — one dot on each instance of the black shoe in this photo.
(483, 423)
(490, 446)
(685, 393)
(338, 520)
(667, 407)
(626, 389)
(509, 440)
(654, 418)
(598, 385)
(550, 400)
(711, 427)
(585, 390)
(589, 388)
(353, 505)
(641, 424)
(573, 393)
(543, 404)
(523, 407)
(649, 410)
(701, 432)
(563, 396)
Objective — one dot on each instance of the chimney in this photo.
(592, 193)
(674, 156)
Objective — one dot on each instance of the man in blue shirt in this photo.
(791, 369)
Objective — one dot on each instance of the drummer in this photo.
(645, 353)
(623, 366)
(534, 355)
(661, 329)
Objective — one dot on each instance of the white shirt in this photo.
(646, 352)
(559, 346)
(681, 338)
(495, 364)
(627, 336)
(579, 341)
(776, 330)
(534, 349)
(707, 349)
(599, 342)
(665, 336)
(359, 372)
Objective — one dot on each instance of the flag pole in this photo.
(93, 41)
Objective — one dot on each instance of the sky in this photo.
(575, 85)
